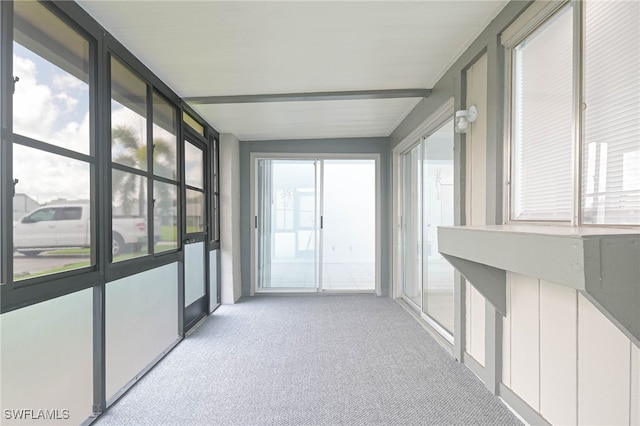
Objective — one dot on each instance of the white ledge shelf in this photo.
(601, 263)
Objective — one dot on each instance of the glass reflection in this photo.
(51, 99)
(51, 213)
(165, 216)
(129, 215)
(438, 210)
(195, 211)
(128, 117)
(411, 222)
(193, 161)
(164, 138)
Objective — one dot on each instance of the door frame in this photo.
(431, 123)
(439, 117)
(199, 309)
(255, 156)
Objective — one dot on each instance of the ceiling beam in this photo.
(306, 97)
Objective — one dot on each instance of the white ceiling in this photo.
(226, 48)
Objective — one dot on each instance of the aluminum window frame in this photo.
(521, 29)
(102, 45)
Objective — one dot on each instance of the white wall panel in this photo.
(604, 369)
(476, 321)
(47, 359)
(506, 338)
(141, 322)
(558, 352)
(230, 267)
(525, 334)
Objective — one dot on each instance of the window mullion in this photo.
(150, 193)
(576, 158)
(6, 168)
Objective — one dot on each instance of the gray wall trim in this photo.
(612, 280)
(313, 96)
(523, 409)
(315, 146)
(460, 200)
(493, 348)
(495, 132)
(601, 263)
(494, 200)
(474, 366)
(445, 87)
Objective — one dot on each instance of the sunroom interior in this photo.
(477, 162)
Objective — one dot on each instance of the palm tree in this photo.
(134, 155)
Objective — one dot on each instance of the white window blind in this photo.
(542, 121)
(611, 142)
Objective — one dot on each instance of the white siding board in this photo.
(558, 353)
(506, 338)
(604, 369)
(477, 325)
(525, 335)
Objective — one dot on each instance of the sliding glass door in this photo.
(438, 209)
(411, 226)
(349, 225)
(427, 194)
(287, 223)
(315, 225)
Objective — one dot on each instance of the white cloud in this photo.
(45, 113)
(34, 112)
(69, 102)
(67, 82)
(46, 177)
(46, 109)
(41, 113)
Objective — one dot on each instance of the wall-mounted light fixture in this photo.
(464, 117)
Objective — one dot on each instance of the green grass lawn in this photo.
(68, 267)
(168, 241)
(74, 251)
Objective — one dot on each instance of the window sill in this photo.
(602, 263)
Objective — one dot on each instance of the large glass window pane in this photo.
(287, 244)
(165, 216)
(129, 215)
(51, 60)
(611, 144)
(51, 213)
(164, 138)
(195, 211)
(128, 117)
(542, 122)
(349, 225)
(412, 225)
(193, 164)
(438, 210)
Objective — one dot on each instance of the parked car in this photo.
(67, 226)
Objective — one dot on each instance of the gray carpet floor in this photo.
(305, 360)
